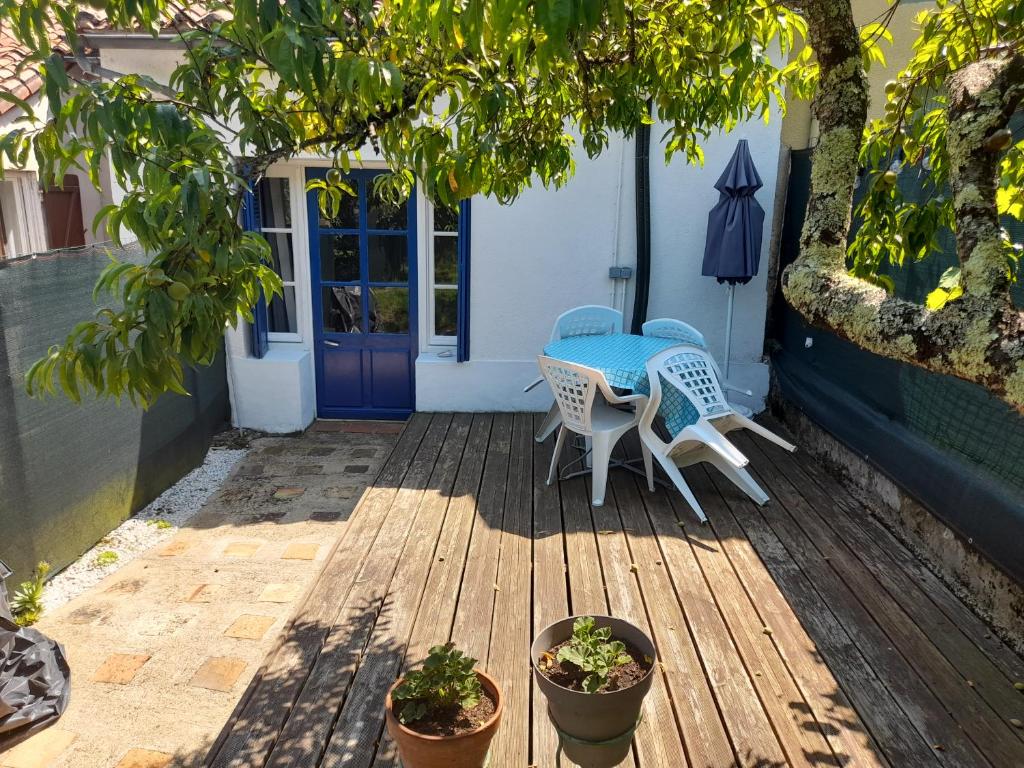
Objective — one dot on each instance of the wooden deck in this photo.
(800, 633)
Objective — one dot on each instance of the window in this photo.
(22, 227)
(275, 224)
(444, 275)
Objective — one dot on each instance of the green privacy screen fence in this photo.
(69, 474)
(948, 443)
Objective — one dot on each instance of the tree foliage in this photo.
(468, 97)
(911, 139)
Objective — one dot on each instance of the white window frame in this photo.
(434, 339)
(22, 204)
(296, 191)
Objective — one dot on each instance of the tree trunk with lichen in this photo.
(979, 336)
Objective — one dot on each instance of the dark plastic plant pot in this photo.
(596, 728)
(467, 750)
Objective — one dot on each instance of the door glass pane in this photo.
(281, 251)
(445, 311)
(389, 310)
(446, 260)
(445, 219)
(281, 312)
(384, 215)
(348, 211)
(275, 208)
(339, 258)
(343, 311)
(389, 259)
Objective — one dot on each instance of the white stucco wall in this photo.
(551, 251)
(547, 252)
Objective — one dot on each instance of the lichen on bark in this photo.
(978, 337)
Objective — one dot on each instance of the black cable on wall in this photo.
(642, 286)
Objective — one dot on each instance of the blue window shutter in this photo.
(462, 309)
(260, 325)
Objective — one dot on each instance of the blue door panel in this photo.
(390, 378)
(342, 365)
(365, 347)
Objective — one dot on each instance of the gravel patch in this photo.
(153, 525)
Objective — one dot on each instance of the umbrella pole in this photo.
(728, 329)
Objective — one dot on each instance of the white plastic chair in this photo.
(690, 370)
(669, 328)
(575, 388)
(588, 320)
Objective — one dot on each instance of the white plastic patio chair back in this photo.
(691, 372)
(588, 320)
(668, 328)
(575, 388)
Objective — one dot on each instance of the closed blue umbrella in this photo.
(732, 253)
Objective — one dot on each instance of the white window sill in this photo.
(438, 355)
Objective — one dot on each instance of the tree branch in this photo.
(978, 337)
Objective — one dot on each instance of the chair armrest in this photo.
(533, 384)
(734, 388)
(622, 399)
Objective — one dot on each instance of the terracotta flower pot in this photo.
(467, 750)
(596, 728)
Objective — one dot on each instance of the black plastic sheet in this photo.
(34, 679)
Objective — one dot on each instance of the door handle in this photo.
(329, 343)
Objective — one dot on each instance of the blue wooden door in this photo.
(364, 303)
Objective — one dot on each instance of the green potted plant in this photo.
(444, 714)
(595, 672)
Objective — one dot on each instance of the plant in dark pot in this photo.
(595, 672)
(445, 714)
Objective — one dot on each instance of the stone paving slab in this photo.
(162, 649)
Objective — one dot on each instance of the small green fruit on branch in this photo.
(999, 141)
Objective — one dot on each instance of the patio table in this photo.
(622, 358)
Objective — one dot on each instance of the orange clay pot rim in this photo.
(500, 705)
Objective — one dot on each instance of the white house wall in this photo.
(547, 252)
(551, 251)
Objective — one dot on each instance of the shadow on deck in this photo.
(799, 633)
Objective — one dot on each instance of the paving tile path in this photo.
(162, 650)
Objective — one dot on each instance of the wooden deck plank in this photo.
(826, 703)
(308, 729)
(864, 664)
(961, 616)
(471, 630)
(658, 742)
(676, 626)
(888, 724)
(982, 724)
(508, 659)
(587, 592)
(356, 733)
(700, 551)
(254, 727)
(978, 671)
(916, 698)
(436, 612)
(550, 592)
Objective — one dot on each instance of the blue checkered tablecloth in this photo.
(623, 359)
